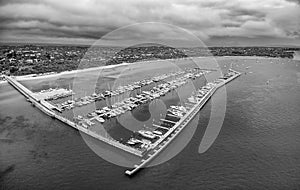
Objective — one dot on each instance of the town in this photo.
(39, 59)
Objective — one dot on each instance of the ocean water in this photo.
(258, 146)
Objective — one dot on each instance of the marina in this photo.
(161, 95)
(145, 144)
(209, 90)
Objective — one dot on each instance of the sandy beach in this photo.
(31, 77)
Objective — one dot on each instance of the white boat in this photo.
(132, 141)
(176, 113)
(157, 132)
(147, 134)
(180, 108)
(100, 119)
(84, 125)
(192, 99)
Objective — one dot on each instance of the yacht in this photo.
(147, 134)
(192, 99)
(100, 119)
(132, 141)
(157, 132)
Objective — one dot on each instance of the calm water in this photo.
(257, 148)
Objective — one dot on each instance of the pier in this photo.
(174, 116)
(47, 110)
(168, 121)
(161, 127)
(173, 128)
(161, 144)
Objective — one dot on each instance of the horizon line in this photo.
(86, 45)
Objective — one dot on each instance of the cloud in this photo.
(92, 19)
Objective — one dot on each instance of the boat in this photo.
(89, 115)
(84, 125)
(176, 113)
(180, 108)
(147, 134)
(100, 119)
(192, 99)
(157, 132)
(132, 141)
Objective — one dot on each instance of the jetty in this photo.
(168, 128)
(47, 109)
(160, 145)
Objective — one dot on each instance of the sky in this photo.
(213, 22)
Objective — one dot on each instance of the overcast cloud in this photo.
(216, 22)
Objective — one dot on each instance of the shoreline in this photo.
(32, 77)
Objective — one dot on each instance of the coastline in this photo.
(32, 77)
